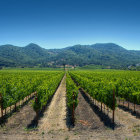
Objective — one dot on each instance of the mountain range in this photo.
(105, 54)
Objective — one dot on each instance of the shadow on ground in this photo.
(134, 113)
(103, 117)
(4, 119)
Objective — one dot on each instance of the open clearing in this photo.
(52, 125)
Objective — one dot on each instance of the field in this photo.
(75, 104)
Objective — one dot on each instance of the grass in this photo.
(31, 129)
(67, 138)
(51, 131)
(75, 133)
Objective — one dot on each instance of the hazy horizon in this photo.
(59, 24)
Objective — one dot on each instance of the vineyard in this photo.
(85, 93)
(104, 86)
(72, 96)
(100, 85)
(15, 86)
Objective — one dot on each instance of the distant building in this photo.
(137, 65)
(129, 67)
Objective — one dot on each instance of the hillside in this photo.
(107, 54)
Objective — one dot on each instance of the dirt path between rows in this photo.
(130, 124)
(86, 119)
(18, 122)
(55, 116)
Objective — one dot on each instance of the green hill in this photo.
(105, 54)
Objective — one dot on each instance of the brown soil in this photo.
(89, 124)
(86, 119)
(55, 116)
(124, 106)
(18, 122)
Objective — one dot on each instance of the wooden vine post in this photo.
(1, 104)
(101, 105)
(15, 106)
(134, 108)
(5, 111)
(128, 103)
(73, 110)
(123, 102)
(10, 109)
(37, 111)
(113, 115)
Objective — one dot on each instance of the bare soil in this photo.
(18, 122)
(124, 106)
(90, 123)
(86, 118)
(55, 116)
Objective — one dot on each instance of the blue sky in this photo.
(62, 23)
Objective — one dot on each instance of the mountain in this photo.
(105, 54)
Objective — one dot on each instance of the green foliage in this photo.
(16, 85)
(101, 91)
(91, 67)
(135, 98)
(72, 92)
(100, 84)
(102, 55)
(46, 89)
